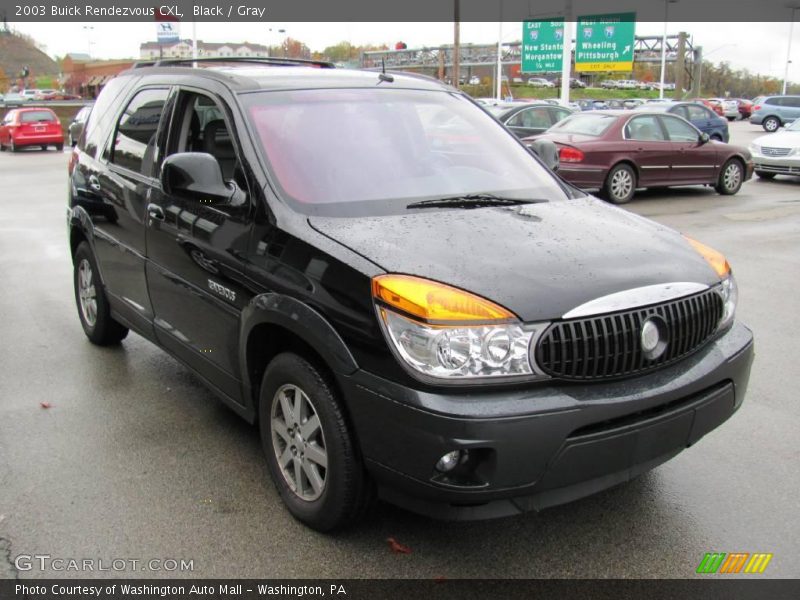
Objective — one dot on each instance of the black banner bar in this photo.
(387, 589)
(385, 10)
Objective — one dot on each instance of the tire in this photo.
(60, 147)
(731, 119)
(620, 185)
(342, 491)
(765, 174)
(731, 177)
(771, 124)
(90, 298)
(44, 148)
(12, 146)
(69, 138)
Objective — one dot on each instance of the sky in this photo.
(759, 47)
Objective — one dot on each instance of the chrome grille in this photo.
(775, 151)
(606, 346)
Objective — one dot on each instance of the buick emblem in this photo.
(653, 337)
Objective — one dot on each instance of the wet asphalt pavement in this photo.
(135, 459)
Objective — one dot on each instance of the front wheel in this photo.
(312, 455)
(620, 184)
(771, 124)
(93, 308)
(12, 146)
(731, 178)
(765, 175)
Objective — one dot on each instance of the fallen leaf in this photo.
(45, 405)
(397, 547)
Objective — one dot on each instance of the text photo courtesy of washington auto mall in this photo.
(356, 299)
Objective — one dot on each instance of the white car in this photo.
(777, 153)
(540, 82)
(474, 80)
(29, 95)
(627, 84)
(730, 108)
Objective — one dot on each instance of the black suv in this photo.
(400, 294)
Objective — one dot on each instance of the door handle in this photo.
(94, 183)
(155, 212)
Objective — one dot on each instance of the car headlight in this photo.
(729, 292)
(445, 333)
(755, 148)
(727, 288)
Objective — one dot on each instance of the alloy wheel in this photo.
(87, 294)
(732, 176)
(621, 184)
(298, 442)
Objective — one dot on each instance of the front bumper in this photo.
(783, 165)
(545, 445)
(756, 119)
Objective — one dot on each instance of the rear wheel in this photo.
(12, 146)
(731, 177)
(60, 147)
(310, 449)
(771, 124)
(93, 308)
(620, 184)
(765, 175)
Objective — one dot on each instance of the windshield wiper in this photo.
(471, 201)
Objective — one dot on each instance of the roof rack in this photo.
(272, 61)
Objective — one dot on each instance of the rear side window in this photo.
(645, 129)
(101, 116)
(594, 125)
(9, 118)
(135, 138)
(36, 116)
(680, 131)
(793, 101)
(535, 118)
(698, 113)
(774, 101)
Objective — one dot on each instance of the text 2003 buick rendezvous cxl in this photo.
(390, 284)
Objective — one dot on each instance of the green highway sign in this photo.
(542, 45)
(605, 42)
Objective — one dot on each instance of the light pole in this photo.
(500, 54)
(88, 29)
(789, 51)
(278, 31)
(664, 48)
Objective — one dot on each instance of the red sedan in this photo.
(31, 127)
(618, 153)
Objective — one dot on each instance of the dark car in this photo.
(526, 119)
(76, 125)
(620, 152)
(586, 104)
(394, 288)
(745, 107)
(26, 127)
(702, 117)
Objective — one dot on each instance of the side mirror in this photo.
(703, 139)
(547, 152)
(198, 176)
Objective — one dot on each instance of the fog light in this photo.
(450, 461)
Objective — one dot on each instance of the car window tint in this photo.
(792, 101)
(101, 116)
(135, 139)
(35, 116)
(698, 113)
(774, 101)
(644, 129)
(679, 131)
(536, 118)
(560, 114)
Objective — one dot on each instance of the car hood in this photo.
(779, 139)
(538, 260)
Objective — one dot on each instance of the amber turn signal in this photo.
(714, 258)
(433, 301)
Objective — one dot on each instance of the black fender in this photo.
(301, 320)
(78, 218)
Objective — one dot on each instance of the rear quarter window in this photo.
(102, 115)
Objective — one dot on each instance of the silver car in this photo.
(777, 153)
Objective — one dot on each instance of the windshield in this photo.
(34, 116)
(354, 152)
(795, 126)
(594, 125)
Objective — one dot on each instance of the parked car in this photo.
(713, 105)
(528, 119)
(609, 84)
(632, 103)
(729, 106)
(43, 94)
(396, 306)
(745, 108)
(777, 153)
(517, 80)
(587, 104)
(76, 125)
(627, 84)
(474, 80)
(619, 153)
(540, 82)
(62, 95)
(773, 112)
(29, 95)
(698, 115)
(13, 99)
(615, 104)
(23, 127)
